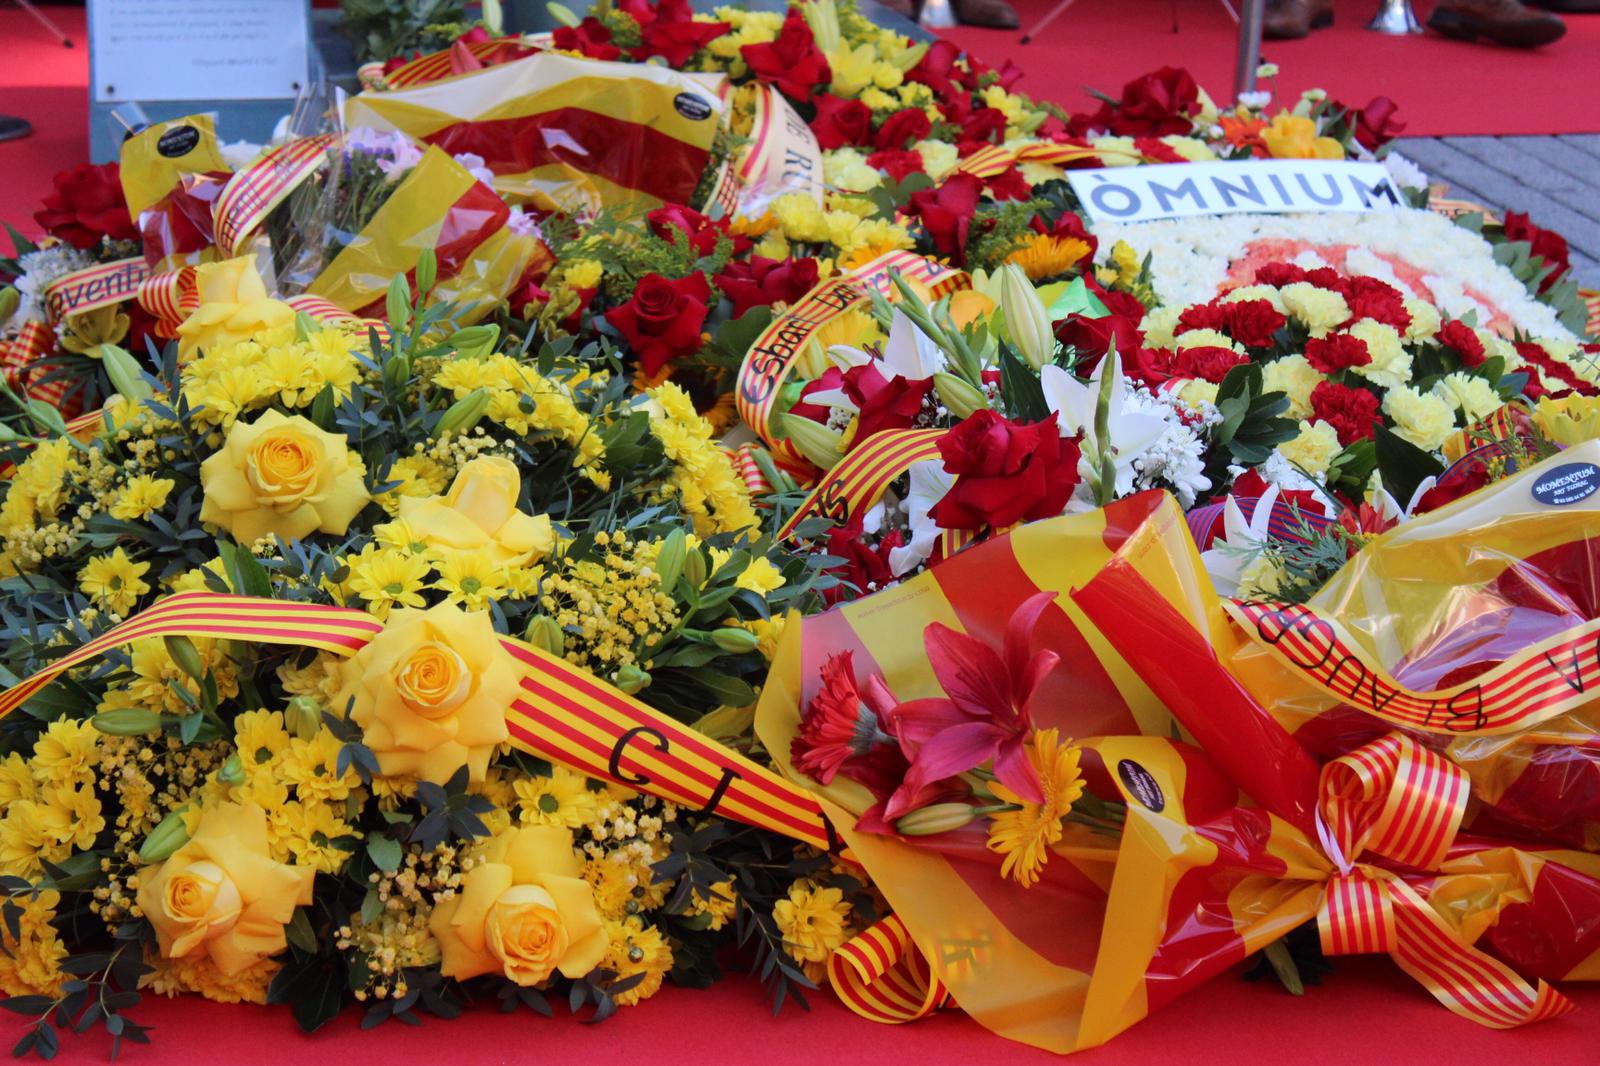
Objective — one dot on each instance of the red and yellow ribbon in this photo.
(860, 478)
(881, 975)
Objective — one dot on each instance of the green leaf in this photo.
(300, 933)
(1076, 299)
(1020, 387)
(384, 852)
(1402, 465)
(726, 689)
(245, 573)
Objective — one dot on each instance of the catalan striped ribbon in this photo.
(447, 62)
(880, 974)
(749, 471)
(1591, 301)
(94, 287)
(1494, 428)
(992, 160)
(1395, 799)
(860, 478)
(33, 342)
(1285, 523)
(171, 296)
(1533, 686)
(565, 713)
(251, 193)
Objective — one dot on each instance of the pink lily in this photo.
(984, 715)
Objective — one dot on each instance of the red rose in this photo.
(1375, 124)
(1157, 104)
(759, 282)
(1208, 363)
(1070, 224)
(898, 163)
(935, 67)
(1462, 478)
(1336, 351)
(985, 124)
(840, 122)
(792, 62)
(1353, 413)
(1093, 337)
(1156, 151)
(1546, 244)
(1464, 341)
(590, 37)
(663, 320)
(903, 128)
(1005, 472)
(947, 211)
(1253, 323)
(670, 220)
(86, 205)
(884, 402)
(866, 564)
(676, 41)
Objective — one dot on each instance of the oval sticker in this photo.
(1141, 784)
(178, 141)
(691, 106)
(1567, 484)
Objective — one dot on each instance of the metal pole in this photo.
(1244, 72)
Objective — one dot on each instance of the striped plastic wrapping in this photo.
(565, 714)
(1475, 627)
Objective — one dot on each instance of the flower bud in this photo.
(563, 14)
(232, 772)
(545, 634)
(185, 656)
(694, 567)
(397, 371)
(10, 299)
(631, 679)
(427, 270)
(303, 717)
(937, 818)
(474, 342)
(733, 639)
(127, 722)
(958, 396)
(123, 370)
(670, 558)
(1026, 318)
(462, 415)
(165, 838)
(819, 444)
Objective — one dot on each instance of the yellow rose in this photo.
(523, 910)
(234, 306)
(222, 895)
(282, 475)
(479, 514)
(1295, 137)
(430, 693)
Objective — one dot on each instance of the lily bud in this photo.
(694, 567)
(185, 656)
(123, 370)
(1027, 320)
(819, 444)
(474, 342)
(397, 371)
(670, 558)
(563, 14)
(232, 772)
(545, 634)
(303, 717)
(427, 270)
(732, 639)
(127, 722)
(165, 838)
(957, 395)
(938, 818)
(10, 299)
(462, 415)
(631, 679)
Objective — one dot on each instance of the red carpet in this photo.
(1369, 1015)
(1443, 87)
(47, 85)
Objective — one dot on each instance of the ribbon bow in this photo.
(1399, 801)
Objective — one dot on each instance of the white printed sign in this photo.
(1262, 186)
(198, 49)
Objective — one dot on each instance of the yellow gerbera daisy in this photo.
(1023, 836)
(1044, 256)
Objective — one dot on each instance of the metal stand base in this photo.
(1396, 18)
(938, 15)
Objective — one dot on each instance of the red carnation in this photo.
(1009, 184)
(1371, 298)
(898, 163)
(1005, 472)
(591, 38)
(1547, 244)
(985, 124)
(759, 282)
(947, 211)
(841, 122)
(1213, 315)
(1157, 151)
(1151, 366)
(1352, 413)
(1555, 368)
(792, 62)
(884, 402)
(1157, 104)
(1279, 274)
(663, 320)
(86, 205)
(1253, 323)
(1208, 362)
(671, 220)
(1336, 351)
(1464, 341)
(902, 128)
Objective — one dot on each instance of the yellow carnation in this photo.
(1421, 418)
(1313, 449)
(1318, 309)
(1293, 376)
(1391, 363)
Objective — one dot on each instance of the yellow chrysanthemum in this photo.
(811, 921)
(1023, 837)
(471, 579)
(563, 798)
(142, 495)
(114, 582)
(720, 905)
(259, 736)
(387, 578)
(1042, 255)
(633, 949)
(31, 962)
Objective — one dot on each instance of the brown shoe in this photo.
(1287, 20)
(1502, 21)
(991, 14)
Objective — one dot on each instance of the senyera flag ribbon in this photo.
(565, 714)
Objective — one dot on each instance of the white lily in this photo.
(929, 483)
(909, 353)
(1239, 543)
(1131, 433)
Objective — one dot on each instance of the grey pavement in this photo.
(1554, 180)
